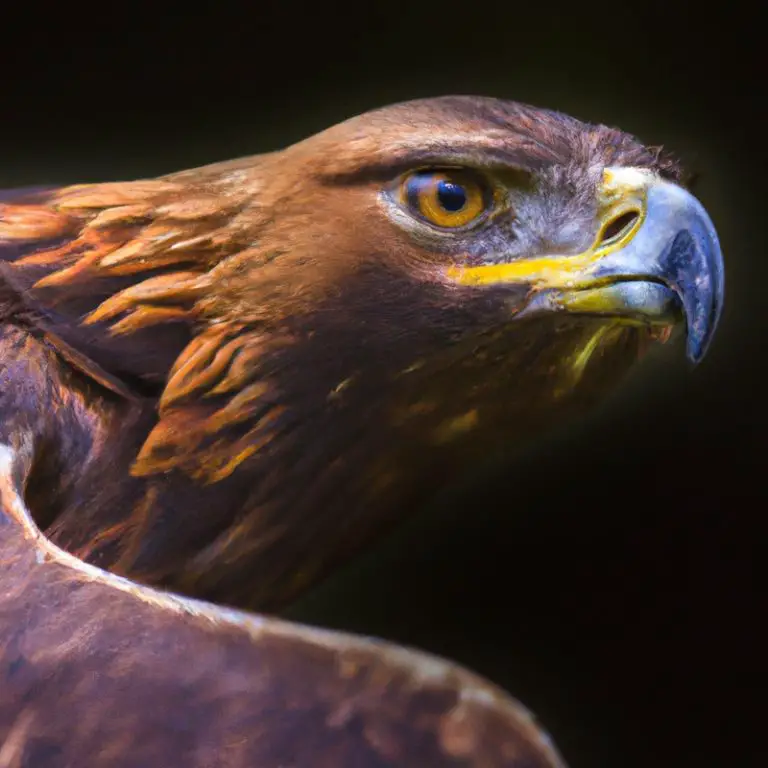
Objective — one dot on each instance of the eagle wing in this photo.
(84, 652)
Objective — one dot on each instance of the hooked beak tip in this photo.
(678, 246)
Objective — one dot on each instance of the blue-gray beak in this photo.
(673, 259)
(655, 261)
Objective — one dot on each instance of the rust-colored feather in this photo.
(164, 237)
(199, 367)
(164, 289)
(213, 388)
(33, 222)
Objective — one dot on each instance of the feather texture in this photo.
(285, 356)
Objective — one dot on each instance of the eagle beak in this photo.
(664, 263)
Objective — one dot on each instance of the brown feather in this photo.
(260, 313)
(100, 671)
(227, 381)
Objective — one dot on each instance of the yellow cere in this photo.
(621, 192)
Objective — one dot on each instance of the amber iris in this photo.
(445, 198)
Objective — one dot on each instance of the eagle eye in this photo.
(445, 198)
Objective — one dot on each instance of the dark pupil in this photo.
(451, 197)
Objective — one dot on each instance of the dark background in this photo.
(609, 579)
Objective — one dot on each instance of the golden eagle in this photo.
(220, 384)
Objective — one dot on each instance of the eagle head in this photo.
(316, 338)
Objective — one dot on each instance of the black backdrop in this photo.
(618, 596)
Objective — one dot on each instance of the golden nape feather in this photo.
(167, 237)
(224, 383)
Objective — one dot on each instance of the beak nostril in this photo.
(621, 224)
